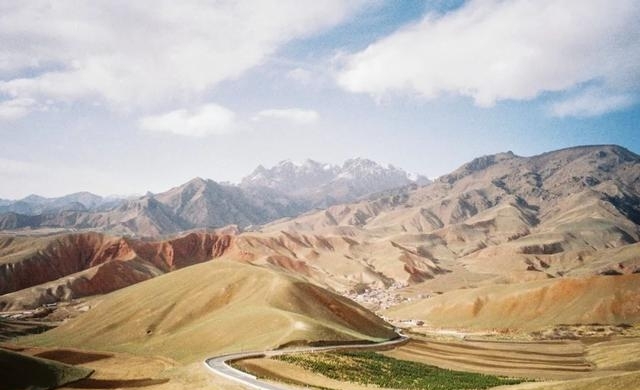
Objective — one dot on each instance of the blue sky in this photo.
(121, 99)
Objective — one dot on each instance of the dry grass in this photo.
(539, 360)
(213, 308)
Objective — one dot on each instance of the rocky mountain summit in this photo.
(323, 185)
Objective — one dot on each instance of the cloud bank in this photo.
(140, 54)
(493, 50)
(205, 120)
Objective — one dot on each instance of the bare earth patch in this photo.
(277, 370)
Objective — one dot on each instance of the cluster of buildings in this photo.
(379, 298)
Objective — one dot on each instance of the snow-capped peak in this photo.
(355, 177)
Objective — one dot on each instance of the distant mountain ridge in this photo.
(531, 189)
(326, 184)
(198, 203)
(286, 190)
(607, 175)
(79, 201)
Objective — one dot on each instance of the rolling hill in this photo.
(40, 270)
(212, 308)
(532, 305)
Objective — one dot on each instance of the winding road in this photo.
(220, 367)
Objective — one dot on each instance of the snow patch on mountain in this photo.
(326, 184)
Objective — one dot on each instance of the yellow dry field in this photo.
(539, 360)
(295, 376)
(554, 365)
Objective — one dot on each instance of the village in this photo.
(378, 299)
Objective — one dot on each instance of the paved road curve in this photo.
(219, 364)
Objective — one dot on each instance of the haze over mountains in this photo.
(79, 201)
(282, 191)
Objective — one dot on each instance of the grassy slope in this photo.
(20, 372)
(213, 308)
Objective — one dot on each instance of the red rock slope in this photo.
(38, 270)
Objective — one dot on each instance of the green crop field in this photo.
(373, 368)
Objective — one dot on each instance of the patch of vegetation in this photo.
(380, 370)
(20, 371)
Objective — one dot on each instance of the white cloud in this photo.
(142, 53)
(15, 108)
(295, 115)
(592, 102)
(491, 50)
(205, 120)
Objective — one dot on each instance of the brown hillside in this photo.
(532, 305)
(37, 270)
(339, 261)
(497, 220)
(213, 308)
(568, 212)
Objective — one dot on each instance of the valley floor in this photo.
(587, 364)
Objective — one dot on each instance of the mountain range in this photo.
(79, 201)
(556, 222)
(266, 195)
(324, 184)
(495, 265)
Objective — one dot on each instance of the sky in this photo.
(121, 97)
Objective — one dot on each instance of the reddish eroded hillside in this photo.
(182, 251)
(82, 264)
(29, 261)
(337, 259)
